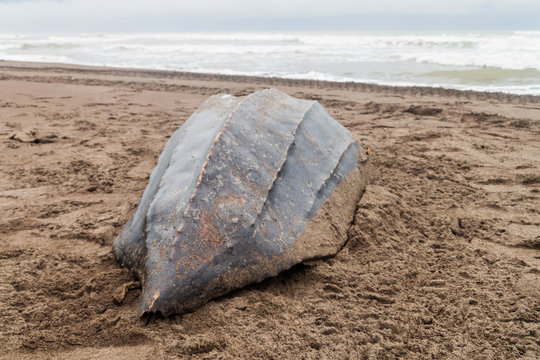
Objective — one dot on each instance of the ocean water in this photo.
(485, 61)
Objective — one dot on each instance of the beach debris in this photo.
(246, 188)
(32, 138)
(423, 110)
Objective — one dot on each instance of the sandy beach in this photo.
(442, 260)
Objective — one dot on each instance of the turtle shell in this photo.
(245, 189)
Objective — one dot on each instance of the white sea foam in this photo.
(480, 61)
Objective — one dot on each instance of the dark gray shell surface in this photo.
(233, 191)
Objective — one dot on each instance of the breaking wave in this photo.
(496, 61)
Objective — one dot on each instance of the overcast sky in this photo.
(244, 15)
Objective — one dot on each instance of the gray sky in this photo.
(243, 15)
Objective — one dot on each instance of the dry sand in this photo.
(442, 261)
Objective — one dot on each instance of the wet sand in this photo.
(442, 261)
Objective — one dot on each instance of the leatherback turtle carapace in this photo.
(245, 189)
